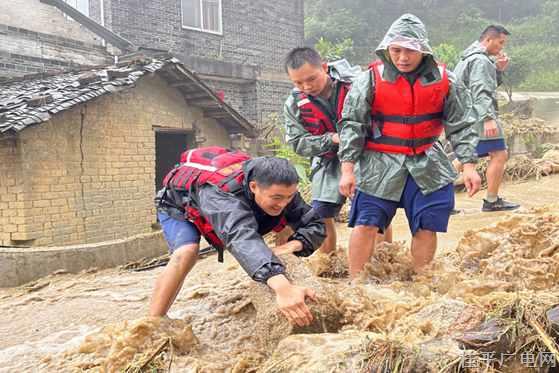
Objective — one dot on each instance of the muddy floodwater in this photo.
(498, 281)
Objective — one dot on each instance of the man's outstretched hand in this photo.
(291, 300)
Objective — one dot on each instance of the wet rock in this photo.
(437, 354)
(521, 250)
(493, 335)
(448, 317)
(470, 289)
(553, 319)
(374, 308)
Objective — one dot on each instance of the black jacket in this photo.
(240, 224)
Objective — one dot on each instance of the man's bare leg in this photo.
(386, 236)
(423, 248)
(361, 247)
(494, 173)
(169, 282)
(329, 243)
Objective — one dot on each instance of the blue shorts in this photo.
(326, 209)
(484, 147)
(176, 232)
(428, 212)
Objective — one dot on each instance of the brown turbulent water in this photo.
(221, 321)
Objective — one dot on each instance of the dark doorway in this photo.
(169, 144)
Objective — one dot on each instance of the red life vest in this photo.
(317, 119)
(406, 119)
(214, 165)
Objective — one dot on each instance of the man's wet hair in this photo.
(269, 171)
(493, 31)
(297, 57)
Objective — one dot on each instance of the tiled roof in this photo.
(34, 99)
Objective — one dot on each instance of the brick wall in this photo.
(35, 16)
(35, 37)
(257, 33)
(90, 171)
(271, 97)
(242, 97)
(11, 188)
(95, 10)
(257, 100)
(254, 32)
(25, 52)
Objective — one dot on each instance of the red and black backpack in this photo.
(214, 165)
(210, 165)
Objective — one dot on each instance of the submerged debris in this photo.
(491, 303)
(523, 251)
(521, 167)
(332, 265)
(131, 346)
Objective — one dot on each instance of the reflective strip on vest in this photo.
(303, 102)
(199, 166)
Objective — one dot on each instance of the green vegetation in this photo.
(353, 29)
(448, 54)
(333, 51)
(282, 150)
(274, 134)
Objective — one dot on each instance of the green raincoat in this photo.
(478, 72)
(326, 172)
(384, 174)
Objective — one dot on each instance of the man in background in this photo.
(311, 114)
(480, 68)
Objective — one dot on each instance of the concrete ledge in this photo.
(21, 265)
(519, 144)
(212, 67)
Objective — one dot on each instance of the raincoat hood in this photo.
(342, 70)
(407, 31)
(475, 48)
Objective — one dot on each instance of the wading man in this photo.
(389, 149)
(311, 114)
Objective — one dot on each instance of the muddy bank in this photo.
(491, 292)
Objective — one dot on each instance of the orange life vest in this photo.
(406, 118)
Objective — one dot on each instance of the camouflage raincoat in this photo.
(325, 172)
